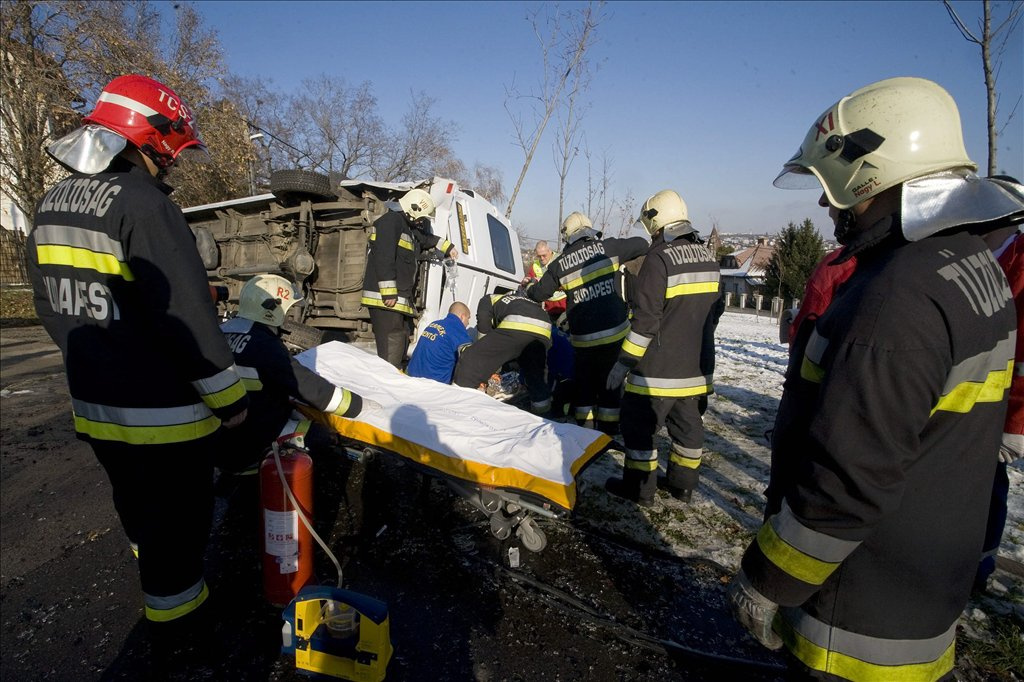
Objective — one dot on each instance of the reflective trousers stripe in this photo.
(583, 413)
(163, 609)
(688, 460)
(668, 388)
(854, 656)
(641, 460)
(806, 554)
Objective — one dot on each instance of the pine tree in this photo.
(797, 251)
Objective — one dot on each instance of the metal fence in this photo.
(12, 259)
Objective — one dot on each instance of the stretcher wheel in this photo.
(500, 527)
(490, 502)
(533, 538)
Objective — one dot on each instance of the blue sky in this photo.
(707, 98)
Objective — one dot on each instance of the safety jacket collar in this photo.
(140, 173)
(884, 233)
(941, 202)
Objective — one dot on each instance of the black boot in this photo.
(635, 486)
(680, 483)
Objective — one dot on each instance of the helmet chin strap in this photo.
(845, 222)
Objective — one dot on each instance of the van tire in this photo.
(293, 183)
(300, 335)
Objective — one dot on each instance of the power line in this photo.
(302, 154)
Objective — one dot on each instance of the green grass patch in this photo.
(1002, 653)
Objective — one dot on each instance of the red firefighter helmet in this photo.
(150, 115)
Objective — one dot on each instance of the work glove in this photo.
(371, 406)
(754, 611)
(1012, 448)
(616, 376)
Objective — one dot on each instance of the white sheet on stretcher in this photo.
(458, 431)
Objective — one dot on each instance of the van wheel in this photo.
(293, 183)
(300, 335)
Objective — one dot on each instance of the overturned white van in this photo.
(316, 235)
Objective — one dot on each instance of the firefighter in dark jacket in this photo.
(509, 327)
(274, 378)
(661, 358)
(120, 288)
(398, 239)
(587, 270)
(893, 402)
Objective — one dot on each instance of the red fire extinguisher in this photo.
(287, 544)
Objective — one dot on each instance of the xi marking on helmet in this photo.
(821, 126)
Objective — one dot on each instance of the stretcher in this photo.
(508, 463)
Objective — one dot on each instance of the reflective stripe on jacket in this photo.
(395, 247)
(274, 377)
(883, 457)
(512, 312)
(120, 288)
(587, 270)
(676, 290)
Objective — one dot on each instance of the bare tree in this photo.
(600, 196)
(488, 181)
(336, 128)
(626, 207)
(421, 147)
(992, 42)
(269, 128)
(36, 101)
(562, 50)
(568, 133)
(63, 53)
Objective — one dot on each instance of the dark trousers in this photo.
(486, 356)
(591, 397)
(642, 416)
(391, 332)
(163, 495)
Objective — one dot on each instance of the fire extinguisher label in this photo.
(282, 533)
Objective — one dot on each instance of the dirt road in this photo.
(591, 606)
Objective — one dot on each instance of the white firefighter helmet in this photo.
(417, 204)
(878, 137)
(666, 210)
(576, 226)
(266, 299)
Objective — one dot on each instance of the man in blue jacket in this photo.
(438, 347)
